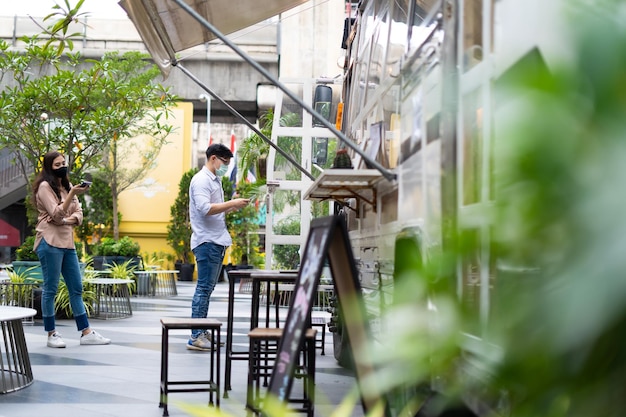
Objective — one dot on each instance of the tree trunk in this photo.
(116, 224)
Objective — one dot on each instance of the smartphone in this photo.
(85, 184)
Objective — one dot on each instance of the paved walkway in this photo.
(122, 379)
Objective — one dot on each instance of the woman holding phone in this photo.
(58, 212)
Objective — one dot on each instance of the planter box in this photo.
(32, 268)
(185, 271)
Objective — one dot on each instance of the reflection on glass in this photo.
(286, 256)
(472, 147)
(471, 269)
(472, 33)
(292, 145)
(398, 35)
(291, 111)
(420, 25)
(286, 212)
(379, 48)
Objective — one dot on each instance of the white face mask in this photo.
(221, 171)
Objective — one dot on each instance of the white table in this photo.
(156, 283)
(112, 298)
(15, 369)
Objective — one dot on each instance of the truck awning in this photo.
(170, 26)
(166, 28)
(9, 235)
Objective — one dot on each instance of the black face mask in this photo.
(60, 172)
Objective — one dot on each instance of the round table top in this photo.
(8, 313)
(109, 281)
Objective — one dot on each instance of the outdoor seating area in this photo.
(133, 358)
(111, 293)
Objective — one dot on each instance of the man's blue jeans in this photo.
(54, 262)
(209, 258)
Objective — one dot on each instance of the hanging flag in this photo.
(232, 170)
(231, 173)
(233, 142)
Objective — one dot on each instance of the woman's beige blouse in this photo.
(51, 214)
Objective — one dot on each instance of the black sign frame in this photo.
(328, 239)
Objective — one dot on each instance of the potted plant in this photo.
(22, 290)
(124, 270)
(62, 301)
(110, 251)
(179, 229)
(243, 225)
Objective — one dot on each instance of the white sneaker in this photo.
(55, 341)
(94, 338)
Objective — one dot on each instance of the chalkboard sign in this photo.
(328, 239)
(298, 317)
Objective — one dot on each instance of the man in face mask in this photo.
(209, 237)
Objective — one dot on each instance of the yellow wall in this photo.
(145, 207)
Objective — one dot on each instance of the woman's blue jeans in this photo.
(54, 262)
(209, 258)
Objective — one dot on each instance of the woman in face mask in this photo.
(58, 212)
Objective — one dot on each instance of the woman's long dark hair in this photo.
(47, 175)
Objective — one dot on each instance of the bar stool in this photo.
(320, 322)
(262, 356)
(210, 385)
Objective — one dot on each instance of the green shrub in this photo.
(122, 247)
(179, 229)
(25, 252)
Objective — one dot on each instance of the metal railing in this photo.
(12, 182)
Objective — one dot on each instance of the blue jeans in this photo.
(209, 258)
(54, 262)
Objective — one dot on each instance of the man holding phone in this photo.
(209, 237)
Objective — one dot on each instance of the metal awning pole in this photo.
(385, 172)
(244, 120)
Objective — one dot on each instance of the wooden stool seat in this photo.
(264, 343)
(210, 385)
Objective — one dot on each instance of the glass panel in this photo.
(292, 146)
(420, 24)
(398, 35)
(470, 275)
(358, 90)
(366, 29)
(379, 49)
(412, 123)
(318, 150)
(320, 209)
(421, 10)
(291, 113)
(286, 209)
(472, 33)
(472, 147)
(493, 275)
(285, 256)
